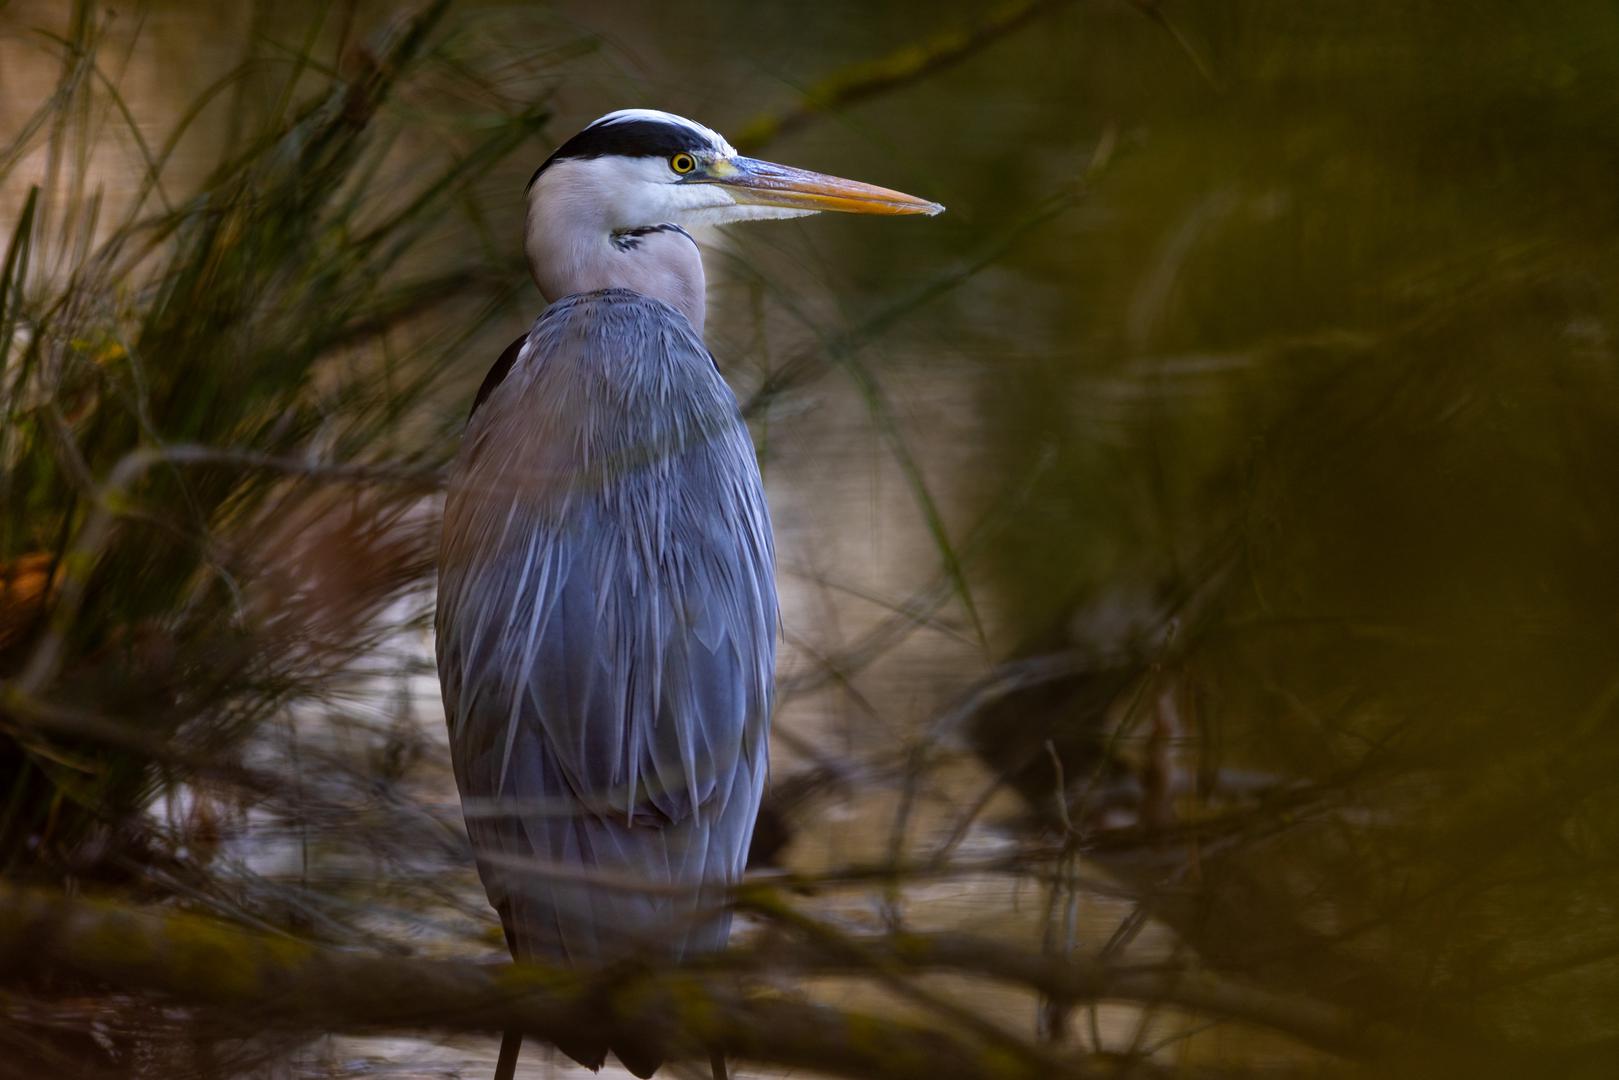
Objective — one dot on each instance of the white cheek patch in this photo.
(615, 192)
(618, 193)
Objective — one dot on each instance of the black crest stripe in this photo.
(628, 138)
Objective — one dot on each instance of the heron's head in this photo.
(638, 168)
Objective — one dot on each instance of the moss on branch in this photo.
(286, 983)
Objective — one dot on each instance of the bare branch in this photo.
(292, 984)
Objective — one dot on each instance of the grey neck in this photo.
(660, 261)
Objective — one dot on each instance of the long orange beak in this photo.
(764, 183)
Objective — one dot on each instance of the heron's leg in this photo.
(716, 1061)
(506, 1066)
(511, 1041)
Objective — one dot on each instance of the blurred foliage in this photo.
(1261, 546)
(1339, 381)
(200, 373)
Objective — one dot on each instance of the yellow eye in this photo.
(683, 163)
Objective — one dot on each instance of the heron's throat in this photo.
(568, 257)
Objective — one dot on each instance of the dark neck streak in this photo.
(630, 239)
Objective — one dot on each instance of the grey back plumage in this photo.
(606, 624)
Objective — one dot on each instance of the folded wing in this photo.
(606, 634)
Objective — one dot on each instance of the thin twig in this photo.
(900, 67)
(112, 503)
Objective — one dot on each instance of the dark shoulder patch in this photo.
(627, 138)
(497, 374)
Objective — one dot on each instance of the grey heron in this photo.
(607, 615)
